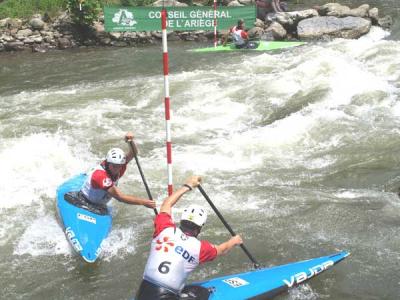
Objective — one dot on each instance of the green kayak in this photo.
(254, 46)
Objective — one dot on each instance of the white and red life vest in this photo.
(98, 182)
(174, 255)
(239, 36)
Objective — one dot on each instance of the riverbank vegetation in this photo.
(27, 8)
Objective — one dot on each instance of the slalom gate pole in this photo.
(215, 23)
(167, 100)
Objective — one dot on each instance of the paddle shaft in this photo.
(255, 263)
(135, 152)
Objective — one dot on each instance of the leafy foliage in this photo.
(84, 12)
(90, 8)
(128, 2)
(27, 8)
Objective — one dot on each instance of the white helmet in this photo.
(195, 214)
(116, 156)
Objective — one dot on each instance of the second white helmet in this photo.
(195, 214)
(116, 156)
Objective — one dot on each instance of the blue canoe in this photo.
(269, 282)
(85, 225)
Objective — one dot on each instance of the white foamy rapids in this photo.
(234, 143)
(304, 292)
(120, 241)
(33, 167)
(43, 237)
(356, 194)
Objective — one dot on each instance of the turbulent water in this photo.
(298, 149)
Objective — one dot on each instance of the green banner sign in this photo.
(178, 18)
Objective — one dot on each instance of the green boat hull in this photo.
(262, 46)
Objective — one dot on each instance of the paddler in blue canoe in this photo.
(175, 251)
(101, 184)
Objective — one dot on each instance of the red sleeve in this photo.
(100, 180)
(244, 34)
(207, 252)
(162, 221)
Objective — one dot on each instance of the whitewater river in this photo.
(298, 149)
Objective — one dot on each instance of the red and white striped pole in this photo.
(215, 23)
(167, 100)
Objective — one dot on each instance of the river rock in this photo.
(39, 48)
(201, 38)
(47, 34)
(186, 36)
(246, 2)
(173, 36)
(167, 3)
(130, 35)
(277, 31)
(88, 43)
(37, 38)
(348, 27)
(7, 38)
(157, 34)
(23, 33)
(28, 41)
(373, 13)
(37, 23)
(64, 43)
(259, 23)
(14, 24)
(289, 19)
(338, 10)
(115, 35)
(256, 32)
(49, 39)
(234, 3)
(14, 46)
(361, 11)
(119, 43)
(105, 41)
(3, 22)
(385, 22)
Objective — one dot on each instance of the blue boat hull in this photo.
(85, 229)
(267, 283)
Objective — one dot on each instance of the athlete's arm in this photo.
(190, 183)
(117, 194)
(228, 245)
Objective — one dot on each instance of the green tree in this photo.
(84, 12)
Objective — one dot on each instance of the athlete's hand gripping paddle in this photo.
(255, 263)
(135, 152)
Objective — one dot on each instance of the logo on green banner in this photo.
(124, 18)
